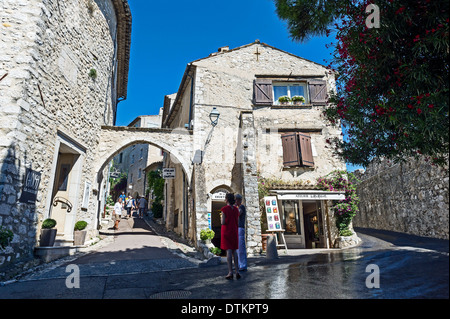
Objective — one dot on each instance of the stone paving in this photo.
(134, 248)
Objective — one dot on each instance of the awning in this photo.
(308, 195)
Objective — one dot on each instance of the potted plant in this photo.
(284, 99)
(215, 250)
(206, 235)
(6, 236)
(48, 233)
(79, 234)
(298, 100)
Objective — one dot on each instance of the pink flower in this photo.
(400, 10)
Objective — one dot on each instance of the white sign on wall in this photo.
(168, 173)
(310, 196)
(86, 193)
(219, 195)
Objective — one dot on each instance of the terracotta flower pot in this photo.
(264, 241)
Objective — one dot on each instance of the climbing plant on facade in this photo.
(347, 208)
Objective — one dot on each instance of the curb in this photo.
(169, 243)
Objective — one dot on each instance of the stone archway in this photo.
(114, 139)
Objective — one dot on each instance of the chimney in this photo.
(223, 49)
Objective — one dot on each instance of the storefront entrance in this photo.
(303, 223)
(215, 221)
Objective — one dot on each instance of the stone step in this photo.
(294, 241)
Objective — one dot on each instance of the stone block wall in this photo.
(47, 49)
(409, 197)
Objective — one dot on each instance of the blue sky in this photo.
(166, 35)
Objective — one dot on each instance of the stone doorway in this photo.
(65, 189)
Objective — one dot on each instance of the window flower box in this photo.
(284, 100)
(298, 100)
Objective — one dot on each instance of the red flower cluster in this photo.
(400, 10)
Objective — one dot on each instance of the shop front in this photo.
(305, 217)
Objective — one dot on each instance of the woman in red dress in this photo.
(229, 234)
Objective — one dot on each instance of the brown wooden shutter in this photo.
(305, 149)
(262, 92)
(318, 92)
(291, 155)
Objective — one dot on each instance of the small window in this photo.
(290, 89)
(267, 92)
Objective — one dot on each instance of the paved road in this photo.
(138, 265)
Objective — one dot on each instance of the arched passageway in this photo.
(113, 140)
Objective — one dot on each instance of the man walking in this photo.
(142, 206)
(117, 213)
(131, 204)
(242, 251)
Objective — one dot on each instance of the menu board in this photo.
(272, 214)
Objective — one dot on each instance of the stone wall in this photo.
(47, 49)
(409, 197)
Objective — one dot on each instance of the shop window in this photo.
(297, 150)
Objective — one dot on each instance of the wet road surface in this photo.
(139, 266)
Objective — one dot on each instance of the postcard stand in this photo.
(274, 221)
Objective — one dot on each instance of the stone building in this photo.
(255, 132)
(63, 70)
(141, 156)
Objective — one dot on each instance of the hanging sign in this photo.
(272, 213)
(30, 186)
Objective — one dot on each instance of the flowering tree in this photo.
(392, 84)
(345, 209)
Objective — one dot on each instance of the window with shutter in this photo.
(318, 92)
(262, 92)
(305, 150)
(297, 150)
(291, 156)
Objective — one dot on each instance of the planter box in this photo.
(79, 237)
(347, 241)
(47, 238)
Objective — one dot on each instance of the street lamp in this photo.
(214, 116)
